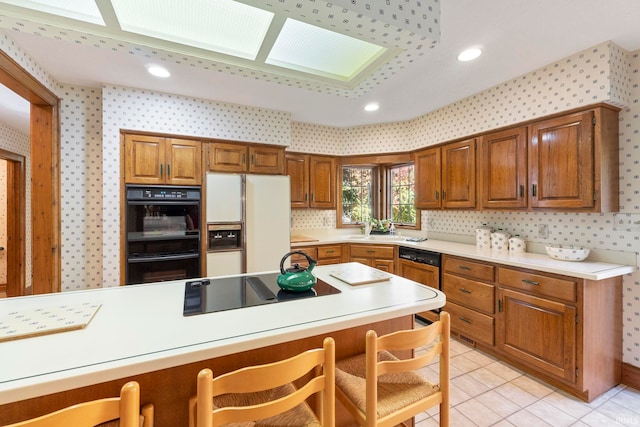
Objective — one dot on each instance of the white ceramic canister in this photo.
(500, 240)
(483, 237)
(517, 244)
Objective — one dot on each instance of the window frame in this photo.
(381, 165)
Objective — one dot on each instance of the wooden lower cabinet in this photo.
(539, 332)
(565, 330)
(323, 254)
(426, 274)
(377, 256)
(470, 323)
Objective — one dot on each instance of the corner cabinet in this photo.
(573, 162)
(241, 158)
(158, 160)
(428, 180)
(313, 180)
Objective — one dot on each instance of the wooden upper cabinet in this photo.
(297, 167)
(313, 180)
(157, 160)
(573, 162)
(428, 179)
(241, 158)
(268, 160)
(502, 169)
(224, 157)
(561, 162)
(322, 182)
(459, 174)
(184, 164)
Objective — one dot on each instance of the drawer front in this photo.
(465, 267)
(564, 289)
(471, 324)
(371, 251)
(300, 259)
(476, 295)
(329, 251)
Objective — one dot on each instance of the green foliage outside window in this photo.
(357, 200)
(402, 207)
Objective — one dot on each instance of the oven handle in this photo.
(162, 258)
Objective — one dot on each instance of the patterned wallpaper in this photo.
(602, 73)
(91, 166)
(134, 109)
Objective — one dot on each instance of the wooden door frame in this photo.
(45, 176)
(16, 219)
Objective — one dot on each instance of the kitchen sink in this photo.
(374, 237)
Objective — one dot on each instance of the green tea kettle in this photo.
(297, 279)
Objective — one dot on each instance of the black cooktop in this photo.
(228, 293)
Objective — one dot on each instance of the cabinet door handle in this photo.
(466, 291)
(521, 190)
(330, 251)
(465, 320)
(312, 197)
(464, 267)
(160, 170)
(533, 190)
(253, 159)
(371, 251)
(168, 170)
(437, 195)
(530, 282)
(444, 195)
(499, 306)
(306, 196)
(244, 159)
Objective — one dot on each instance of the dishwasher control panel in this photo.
(419, 255)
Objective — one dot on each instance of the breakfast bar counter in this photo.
(139, 333)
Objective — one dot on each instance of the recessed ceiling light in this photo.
(158, 71)
(372, 106)
(469, 54)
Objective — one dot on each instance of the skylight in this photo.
(228, 31)
(224, 26)
(82, 10)
(314, 50)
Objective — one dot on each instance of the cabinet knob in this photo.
(160, 169)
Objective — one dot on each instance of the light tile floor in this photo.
(488, 392)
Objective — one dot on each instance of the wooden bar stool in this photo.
(123, 411)
(265, 394)
(378, 389)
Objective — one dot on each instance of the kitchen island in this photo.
(139, 333)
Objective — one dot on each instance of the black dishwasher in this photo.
(421, 266)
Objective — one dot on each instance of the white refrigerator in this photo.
(261, 203)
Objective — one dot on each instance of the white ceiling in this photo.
(517, 36)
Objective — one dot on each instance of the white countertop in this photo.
(590, 270)
(141, 328)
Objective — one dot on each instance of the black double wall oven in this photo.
(163, 233)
